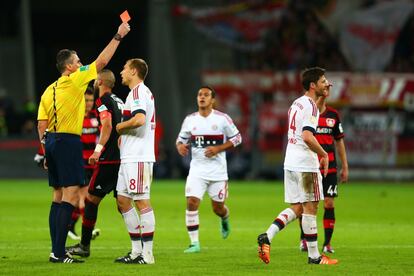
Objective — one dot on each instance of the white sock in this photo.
(192, 223)
(310, 230)
(280, 222)
(132, 223)
(147, 230)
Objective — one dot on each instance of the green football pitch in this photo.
(374, 233)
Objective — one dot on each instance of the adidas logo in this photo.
(98, 187)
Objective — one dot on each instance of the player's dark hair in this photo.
(213, 92)
(140, 65)
(107, 77)
(310, 75)
(63, 57)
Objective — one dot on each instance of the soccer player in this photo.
(137, 159)
(209, 133)
(330, 135)
(61, 111)
(105, 158)
(303, 180)
(89, 136)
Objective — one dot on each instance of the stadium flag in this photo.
(242, 25)
(367, 37)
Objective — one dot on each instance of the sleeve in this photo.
(310, 118)
(84, 75)
(42, 113)
(185, 132)
(103, 104)
(138, 103)
(338, 131)
(231, 131)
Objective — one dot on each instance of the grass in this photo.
(374, 233)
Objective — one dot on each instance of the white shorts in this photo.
(303, 187)
(196, 187)
(134, 180)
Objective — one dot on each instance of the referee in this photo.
(61, 112)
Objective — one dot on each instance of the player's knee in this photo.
(192, 203)
(219, 209)
(94, 199)
(329, 202)
(123, 204)
(297, 209)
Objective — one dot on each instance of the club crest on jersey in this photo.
(214, 127)
(330, 122)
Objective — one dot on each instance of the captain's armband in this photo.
(236, 140)
(181, 140)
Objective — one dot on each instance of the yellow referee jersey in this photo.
(63, 102)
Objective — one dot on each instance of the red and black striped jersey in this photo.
(329, 129)
(90, 132)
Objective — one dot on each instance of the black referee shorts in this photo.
(64, 160)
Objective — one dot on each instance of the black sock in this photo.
(88, 223)
(52, 223)
(74, 218)
(62, 223)
(302, 235)
(328, 224)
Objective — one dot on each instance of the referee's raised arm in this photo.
(107, 53)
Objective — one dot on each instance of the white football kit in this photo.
(137, 146)
(303, 180)
(208, 174)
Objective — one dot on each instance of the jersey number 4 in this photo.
(292, 124)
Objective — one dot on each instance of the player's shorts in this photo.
(303, 187)
(64, 160)
(88, 176)
(330, 185)
(104, 179)
(134, 180)
(196, 187)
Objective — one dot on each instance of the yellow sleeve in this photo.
(41, 114)
(84, 75)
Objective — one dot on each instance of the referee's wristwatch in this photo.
(117, 37)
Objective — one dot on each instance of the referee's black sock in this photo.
(88, 222)
(52, 223)
(63, 220)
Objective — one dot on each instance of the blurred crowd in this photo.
(300, 40)
(16, 121)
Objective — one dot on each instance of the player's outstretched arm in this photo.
(105, 56)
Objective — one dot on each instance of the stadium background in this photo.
(250, 51)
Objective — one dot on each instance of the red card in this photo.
(125, 16)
